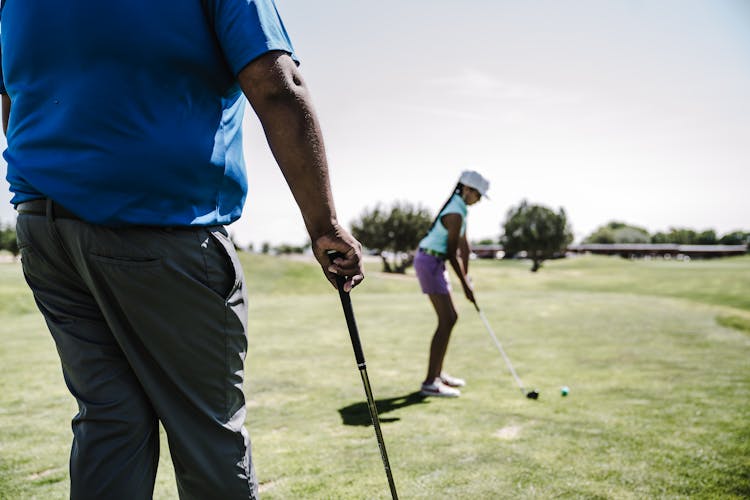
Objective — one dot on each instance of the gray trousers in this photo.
(150, 325)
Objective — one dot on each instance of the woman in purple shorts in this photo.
(446, 240)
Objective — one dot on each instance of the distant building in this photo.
(666, 250)
(488, 251)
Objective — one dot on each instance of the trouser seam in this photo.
(227, 390)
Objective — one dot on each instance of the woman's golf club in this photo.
(346, 303)
(532, 394)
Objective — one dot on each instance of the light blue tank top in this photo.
(437, 238)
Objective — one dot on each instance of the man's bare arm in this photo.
(277, 93)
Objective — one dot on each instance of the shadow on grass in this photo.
(359, 413)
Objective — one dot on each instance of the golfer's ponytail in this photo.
(456, 190)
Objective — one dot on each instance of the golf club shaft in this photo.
(500, 348)
(346, 303)
(378, 434)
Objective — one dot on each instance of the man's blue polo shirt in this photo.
(128, 111)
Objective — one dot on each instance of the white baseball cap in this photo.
(475, 180)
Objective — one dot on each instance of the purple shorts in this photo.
(433, 277)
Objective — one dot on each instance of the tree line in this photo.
(530, 230)
(620, 232)
(394, 233)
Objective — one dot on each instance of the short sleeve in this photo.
(456, 206)
(247, 29)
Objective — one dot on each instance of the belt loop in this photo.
(50, 211)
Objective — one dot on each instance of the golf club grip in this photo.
(351, 323)
(346, 304)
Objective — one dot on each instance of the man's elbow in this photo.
(272, 77)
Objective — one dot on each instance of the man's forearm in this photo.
(283, 105)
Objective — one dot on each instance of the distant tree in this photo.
(684, 236)
(8, 240)
(603, 235)
(735, 238)
(287, 249)
(618, 232)
(659, 237)
(680, 236)
(707, 237)
(265, 247)
(393, 232)
(536, 230)
(485, 241)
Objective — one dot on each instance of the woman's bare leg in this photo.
(447, 317)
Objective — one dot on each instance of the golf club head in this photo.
(532, 394)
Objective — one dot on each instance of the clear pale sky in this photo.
(631, 110)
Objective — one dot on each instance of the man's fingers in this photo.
(350, 268)
(352, 282)
(346, 264)
(345, 268)
(340, 255)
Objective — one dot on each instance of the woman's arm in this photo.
(465, 252)
(452, 223)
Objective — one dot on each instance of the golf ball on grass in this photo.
(564, 391)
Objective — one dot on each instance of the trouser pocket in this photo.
(233, 266)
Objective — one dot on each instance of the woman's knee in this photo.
(448, 319)
(446, 313)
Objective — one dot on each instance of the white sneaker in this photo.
(439, 389)
(452, 381)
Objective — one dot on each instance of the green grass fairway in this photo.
(656, 355)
